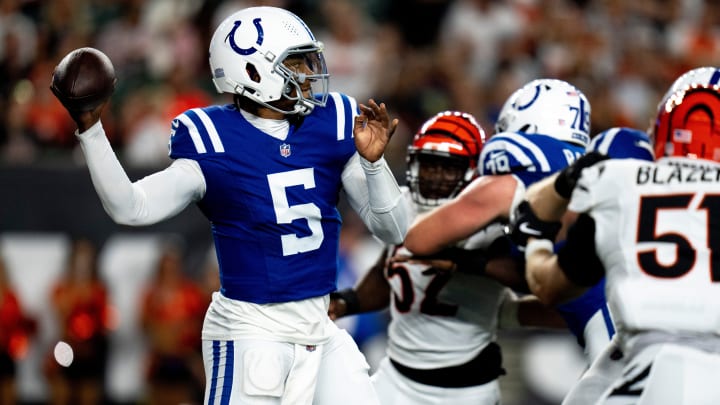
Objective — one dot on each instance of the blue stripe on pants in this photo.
(213, 381)
(228, 377)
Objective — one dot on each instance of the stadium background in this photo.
(418, 56)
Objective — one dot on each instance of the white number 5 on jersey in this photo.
(285, 213)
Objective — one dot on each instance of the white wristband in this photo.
(538, 244)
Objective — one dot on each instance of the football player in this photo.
(266, 170)
(441, 337)
(542, 127)
(653, 228)
(589, 316)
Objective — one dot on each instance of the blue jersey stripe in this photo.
(215, 366)
(608, 321)
(229, 370)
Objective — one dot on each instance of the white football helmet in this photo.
(688, 117)
(549, 107)
(247, 52)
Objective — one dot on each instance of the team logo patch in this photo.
(245, 51)
(682, 135)
(285, 150)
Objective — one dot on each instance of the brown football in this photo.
(83, 79)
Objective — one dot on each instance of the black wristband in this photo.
(352, 303)
(578, 258)
(568, 177)
(562, 185)
(468, 261)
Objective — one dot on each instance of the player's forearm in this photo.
(533, 313)
(373, 290)
(379, 203)
(109, 178)
(545, 277)
(547, 204)
(148, 201)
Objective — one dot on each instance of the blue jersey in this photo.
(530, 157)
(272, 203)
(623, 143)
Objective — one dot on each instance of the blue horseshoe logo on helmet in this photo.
(252, 49)
(534, 98)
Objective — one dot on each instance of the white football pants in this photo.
(668, 374)
(394, 388)
(249, 371)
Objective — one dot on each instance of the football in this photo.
(84, 79)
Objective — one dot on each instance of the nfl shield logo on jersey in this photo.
(285, 150)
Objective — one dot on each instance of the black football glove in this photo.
(568, 177)
(525, 224)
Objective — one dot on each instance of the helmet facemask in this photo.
(291, 67)
(442, 158)
(435, 177)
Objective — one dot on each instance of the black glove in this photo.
(567, 179)
(525, 224)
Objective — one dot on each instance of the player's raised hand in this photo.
(373, 130)
(86, 119)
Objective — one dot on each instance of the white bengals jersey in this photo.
(658, 237)
(441, 319)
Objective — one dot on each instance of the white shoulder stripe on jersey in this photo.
(353, 109)
(194, 134)
(537, 153)
(211, 130)
(512, 149)
(340, 112)
(510, 144)
(607, 140)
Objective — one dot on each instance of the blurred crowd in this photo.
(171, 306)
(454, 54)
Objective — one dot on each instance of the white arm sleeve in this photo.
(374, 194)
(152, 199)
